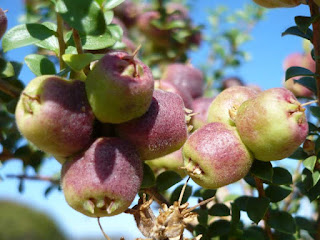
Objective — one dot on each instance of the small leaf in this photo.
(219, 209)
(306, 224)
(257, 208)
(315, 177)
(262, 170)
(85, 16)
(112, 4)
(24, 35)
(277, 193)
(167, 179)
(235, 215)
(297, 32)
(303, 23)
(176, 194)
(40, 64)
(308, 82)
(299, 154)
(50, 43)
(205, 193)
(254, 233)
(298, 71)
(242, 202)
(310, 162)
(108, 16)
(314, 192)
(281, 176)
(149, 179)
(202, 216)
(282, 222)
(79, 61)
(219, 228)
(6, 69)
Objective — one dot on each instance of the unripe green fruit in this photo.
(3, 23)
(224, 107)
(272, 125)
(214, 156)
(279, 3)
(170, 162)
(54, 114)
(119, 88)
(104, 180)
(161, 130)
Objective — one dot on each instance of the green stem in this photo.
(77, 41)
(62, 44)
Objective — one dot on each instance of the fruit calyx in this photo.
(188, 116)
(103, 204)
(193, 168)
(28, 102)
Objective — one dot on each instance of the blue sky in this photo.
(268, 50)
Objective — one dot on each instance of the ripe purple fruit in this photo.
(104, 180)
(119, 88)
(272, 125)
(54, 114)
(224, 107)
(185, 76)
(3, 23)
(215, 156)
(231, 82)
(162, 130)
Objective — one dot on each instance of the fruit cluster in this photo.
(102, 129)
(244, 124)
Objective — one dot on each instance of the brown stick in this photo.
(38, 178)
(7, 88)
(314, 10)
(62, 45)
(77, 41)
(259, 186)
(157, 196)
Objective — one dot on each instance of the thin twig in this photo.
(37, 177)
(7, 88)
(157, 196)
(77, 41)
(62, 45)
(182, 191)
(104, 234)
(259, 186)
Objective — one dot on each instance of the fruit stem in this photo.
(259, 186)
(182, 191)
(201, 203)
(308, 103)
(157, 196)
(104, 234)
(62, 45)
(315, 12)
(77, 41)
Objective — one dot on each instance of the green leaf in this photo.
(282, 222)
(167, 179)
(257, 208)
(79, 61)
(298, 71)
(202, 216)
(297, 32)
(254, 233)
(108, 16)
(235, 213)
(308, 82)
(306, 224)
(84, 15)
(299, 154)
(310, 162)
(312, 128)
(95, 42)
(50, 43)
(6, 69)
(176, 194)
(24, 35)
(40, 64)
(314, 192)
(219, 209)
(303, 23)
(262, 170)
(149, 179)
(242, 202)
(281, 176)
(112, 4)
(219, 228)
(277, 193)
(116, 31)
(205, 193)
(315, 177)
